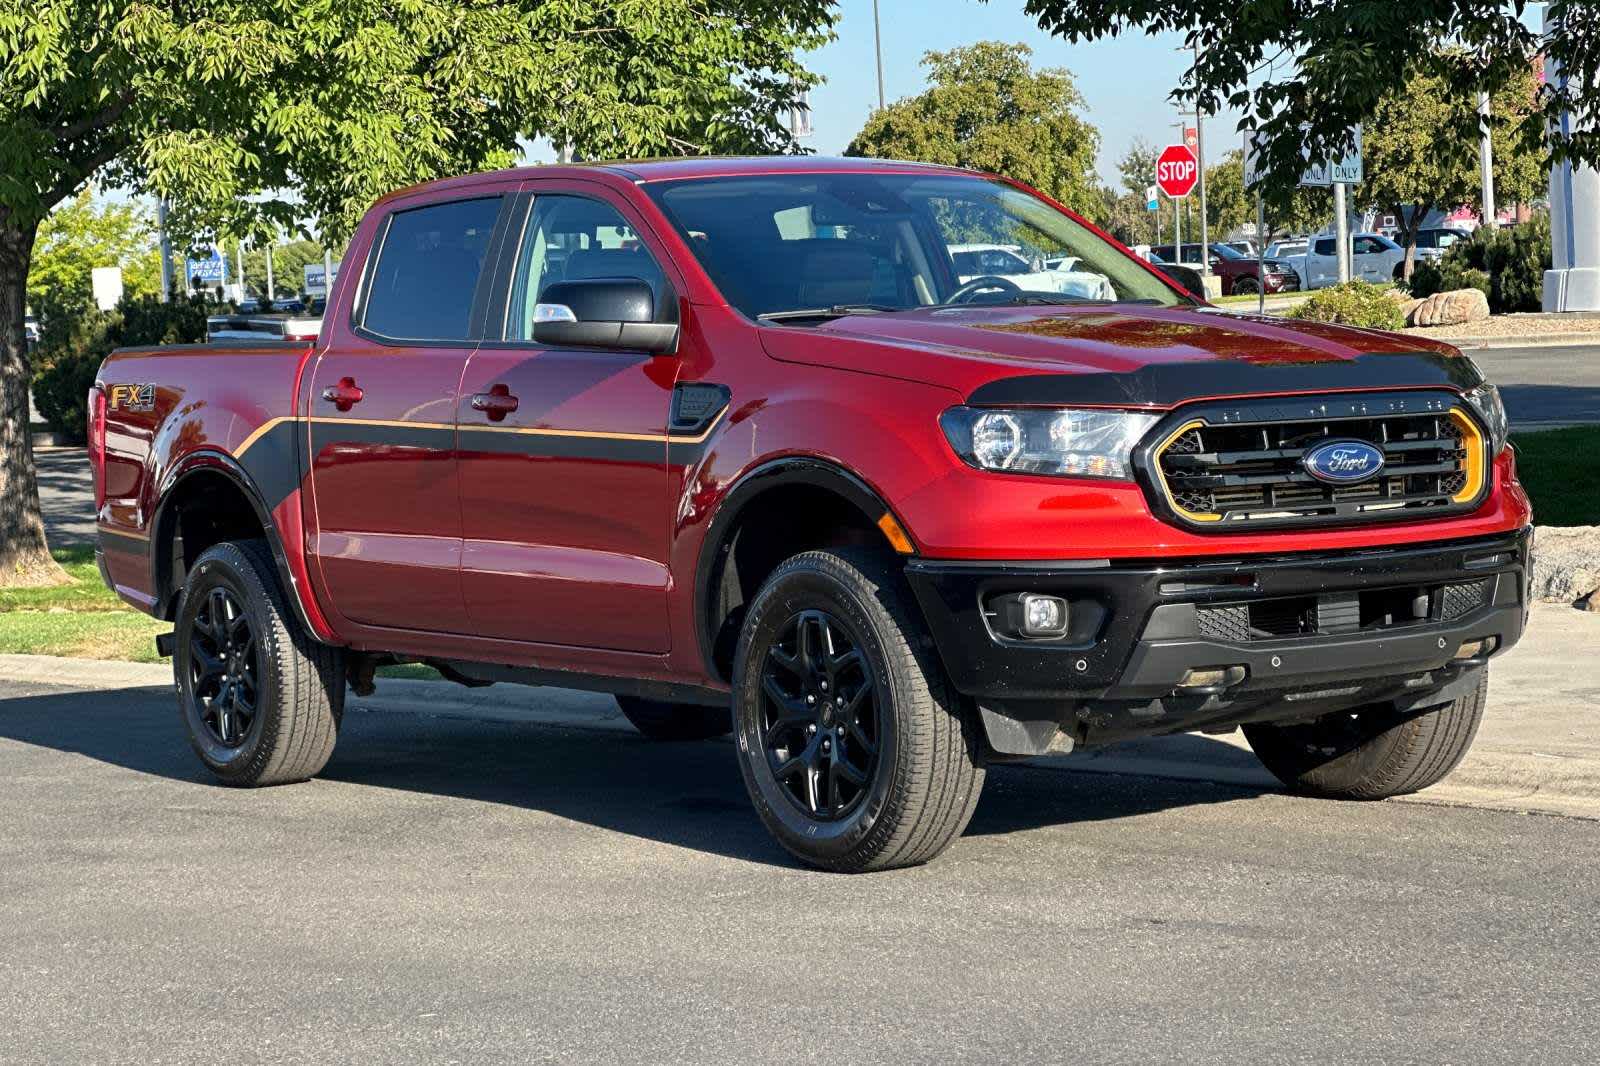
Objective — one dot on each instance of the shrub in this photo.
(75, 344)
(1355, 303)
(65, 367)
(1507, 264)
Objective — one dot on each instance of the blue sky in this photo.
(1124, 81)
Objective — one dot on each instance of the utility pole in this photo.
(1486, 160)
(1200, 151)
(271, 292)
(166, 250)
(327, 277)
(877, 45)
(239, 250)
(1177, 210)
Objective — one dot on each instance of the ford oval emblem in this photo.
(1343, 462)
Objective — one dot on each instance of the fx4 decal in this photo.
(132, 398)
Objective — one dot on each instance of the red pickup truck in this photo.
(732, 440)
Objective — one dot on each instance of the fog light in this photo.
(1043, 616)
(1473, 648)
(1212, 677)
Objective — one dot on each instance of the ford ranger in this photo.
(738, 442)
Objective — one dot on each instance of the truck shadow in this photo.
(1530, 406)
(689, 795)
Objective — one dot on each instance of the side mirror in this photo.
(602, 313)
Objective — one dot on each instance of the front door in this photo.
(564, 485)
(382, 399)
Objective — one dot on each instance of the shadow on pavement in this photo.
(1531, 404)
(688, 794)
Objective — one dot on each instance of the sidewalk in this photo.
(1538, 750)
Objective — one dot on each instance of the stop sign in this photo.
(1177, 170)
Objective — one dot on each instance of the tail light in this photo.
(97, 443)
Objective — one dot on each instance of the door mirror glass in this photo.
(602, 313)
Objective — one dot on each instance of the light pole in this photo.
(877, 46)
(1486, 160)
(1200, 151)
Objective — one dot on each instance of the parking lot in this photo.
(471, 889)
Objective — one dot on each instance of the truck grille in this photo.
(1252, 473)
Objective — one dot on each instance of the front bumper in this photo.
(1297, 635)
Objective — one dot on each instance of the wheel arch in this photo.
(825, 504)
(209, 474)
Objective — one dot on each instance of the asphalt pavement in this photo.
(462, 889)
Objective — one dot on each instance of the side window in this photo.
(426, 274)
(1368, 246)
(571, 238)
(1325, 246)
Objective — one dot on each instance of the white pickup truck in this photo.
(1373, 257)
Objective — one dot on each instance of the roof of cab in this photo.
(681, 167)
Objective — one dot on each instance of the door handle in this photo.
(496, 403)
(344, 395)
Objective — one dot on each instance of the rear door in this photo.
(385, 486)
(1322, 262)
(564, 479)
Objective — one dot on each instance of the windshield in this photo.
(777, 245)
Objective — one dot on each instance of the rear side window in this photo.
(1325, 246)
(422, 286)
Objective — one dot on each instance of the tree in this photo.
(288, 265)
(251, 115)
(1411, 169)
(1228, 207)
(988, 108)
(79, 235)
(1328, 63)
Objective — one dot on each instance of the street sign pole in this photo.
(1261, 255)
(1341, 232)
(1200, 155)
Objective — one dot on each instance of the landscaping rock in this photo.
(1566, 564)
(1451, 308)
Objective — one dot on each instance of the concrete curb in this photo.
(1489, 778)
(1530, 340)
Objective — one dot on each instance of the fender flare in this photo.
(163, 528)
(775, 473)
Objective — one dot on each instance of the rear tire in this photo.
(661, 720)
(856, 751)
(1373, 753)
(260, 697)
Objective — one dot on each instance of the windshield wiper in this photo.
(836, 311)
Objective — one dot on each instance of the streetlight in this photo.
(877, 45)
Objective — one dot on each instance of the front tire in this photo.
(260, 697)
(665, 721)
(1372, 753)
(1246, 287)
(857, 753)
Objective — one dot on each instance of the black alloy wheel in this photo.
(224, 668)
(820, 720)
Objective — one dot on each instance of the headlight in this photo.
(1066, 442)
(1485, 400)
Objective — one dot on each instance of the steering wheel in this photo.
(987, 283)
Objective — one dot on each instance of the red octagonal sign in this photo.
(1177, 170)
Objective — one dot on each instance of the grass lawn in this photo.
(1557, 467)
(85, 619)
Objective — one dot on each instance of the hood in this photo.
(1126, 354)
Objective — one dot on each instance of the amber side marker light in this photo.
(897, 536)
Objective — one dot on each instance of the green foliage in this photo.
(1325, 66)
(1355, 303)
(1447, 275)
(66, 363)
(288, 262)
(988, 108)
(82, 234)
(339, 102)
(1228, 207)
(1421, 146)
(1508, 264)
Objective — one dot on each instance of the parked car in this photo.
(1239, 276)
(1058, 273)
(734, 441)
(1373, 257)
(1245, 248)
(30, 331)
(1188, 277)
(1432, 243)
